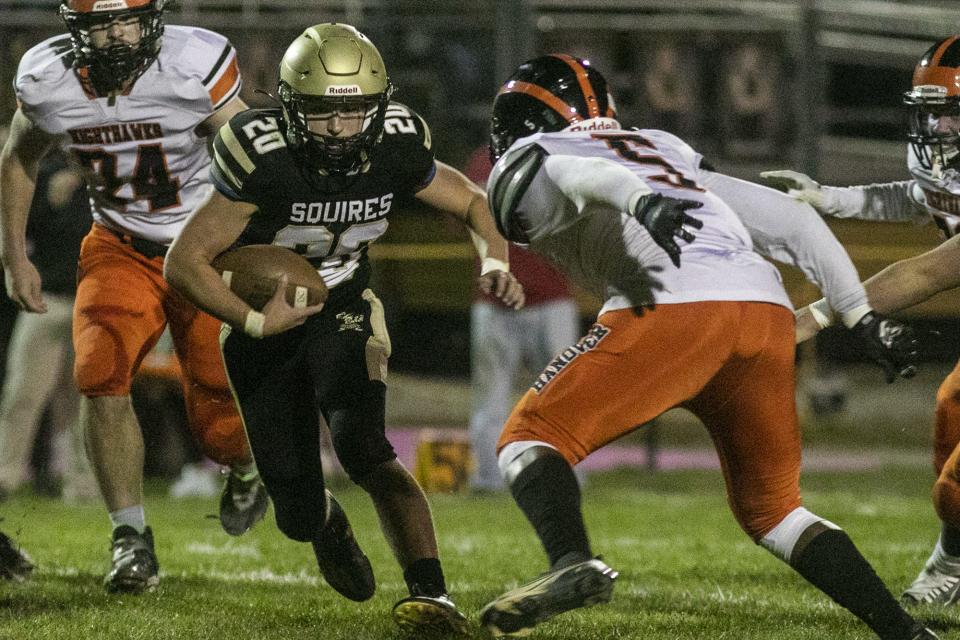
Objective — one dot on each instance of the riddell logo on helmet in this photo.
(343, 90)
(594, 124)
(109, 5)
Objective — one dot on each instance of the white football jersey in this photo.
(936, 191)
(147, 167)
(601, 248)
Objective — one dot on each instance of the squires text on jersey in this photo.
(116, 133)
(347, 211)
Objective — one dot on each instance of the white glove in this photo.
(797, 185)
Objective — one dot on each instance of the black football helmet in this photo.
(111, 66)
(548, 93)
(935, 96)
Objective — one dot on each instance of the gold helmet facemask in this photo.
(333, 70)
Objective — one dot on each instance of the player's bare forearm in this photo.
(210, 231)
(18, 171)
(486, 239)
(807, 326)
(909, 282)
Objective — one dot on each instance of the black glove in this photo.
(890, 343)
(664, 218)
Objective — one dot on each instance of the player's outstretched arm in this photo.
(18, 173)
(899, 286)
(454, 193)
(188, 268)
(914, 280)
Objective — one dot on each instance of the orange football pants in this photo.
(730, 363)
(946, 450)
(122, 306)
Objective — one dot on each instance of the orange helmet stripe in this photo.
(589, 95)
(568, 112)
(91, 6)
(938, 55)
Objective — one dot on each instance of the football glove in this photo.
(664, 218)
(889, 343)
(797, 185)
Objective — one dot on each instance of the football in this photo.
(252, 272)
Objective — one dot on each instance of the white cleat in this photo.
(932, 587)
(517, 612)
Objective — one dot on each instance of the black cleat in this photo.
(423, 614)
(519, 610)
(15, 564)
(243, 503)
(341, 560)
(134, 565)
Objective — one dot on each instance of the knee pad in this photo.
(517, 456)
(946, 499)
(100, 368)
(782, 539)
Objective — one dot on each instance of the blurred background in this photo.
(814, 85)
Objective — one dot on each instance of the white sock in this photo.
(943, 561)
(131, 516)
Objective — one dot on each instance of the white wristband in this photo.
(492, 264)
(852, 317)
(822, 313)
(253, 325)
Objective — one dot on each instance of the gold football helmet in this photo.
(333, 71)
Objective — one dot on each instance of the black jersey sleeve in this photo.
(407, 136)
(243, 151)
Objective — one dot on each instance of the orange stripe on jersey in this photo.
(568, 112)
(593, 106)
(90, 6)
(226, 82)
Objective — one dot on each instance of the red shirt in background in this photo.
(541, 281)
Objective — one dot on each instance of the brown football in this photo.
(252, 272)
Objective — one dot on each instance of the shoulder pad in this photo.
(401, 120)
(508, 182)
(245, 143)
(205, 57)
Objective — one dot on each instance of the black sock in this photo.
(425, 578)
(548, 494)
(950, 540)
(832, 563)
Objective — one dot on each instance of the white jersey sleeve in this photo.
(887, 202)
(42, 68)
(790, 231)
(207, 63)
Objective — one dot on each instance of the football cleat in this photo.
(519, 610)
(341, 560)
(932, 587)
(923, 633)
(243, 503)
(434, 615)
(15, 564)
(134, 565)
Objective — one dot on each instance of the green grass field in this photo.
(686, 569)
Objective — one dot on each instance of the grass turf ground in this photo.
(686, 569)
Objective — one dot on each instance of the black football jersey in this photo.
(330, 220)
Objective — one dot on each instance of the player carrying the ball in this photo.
(321, 176)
